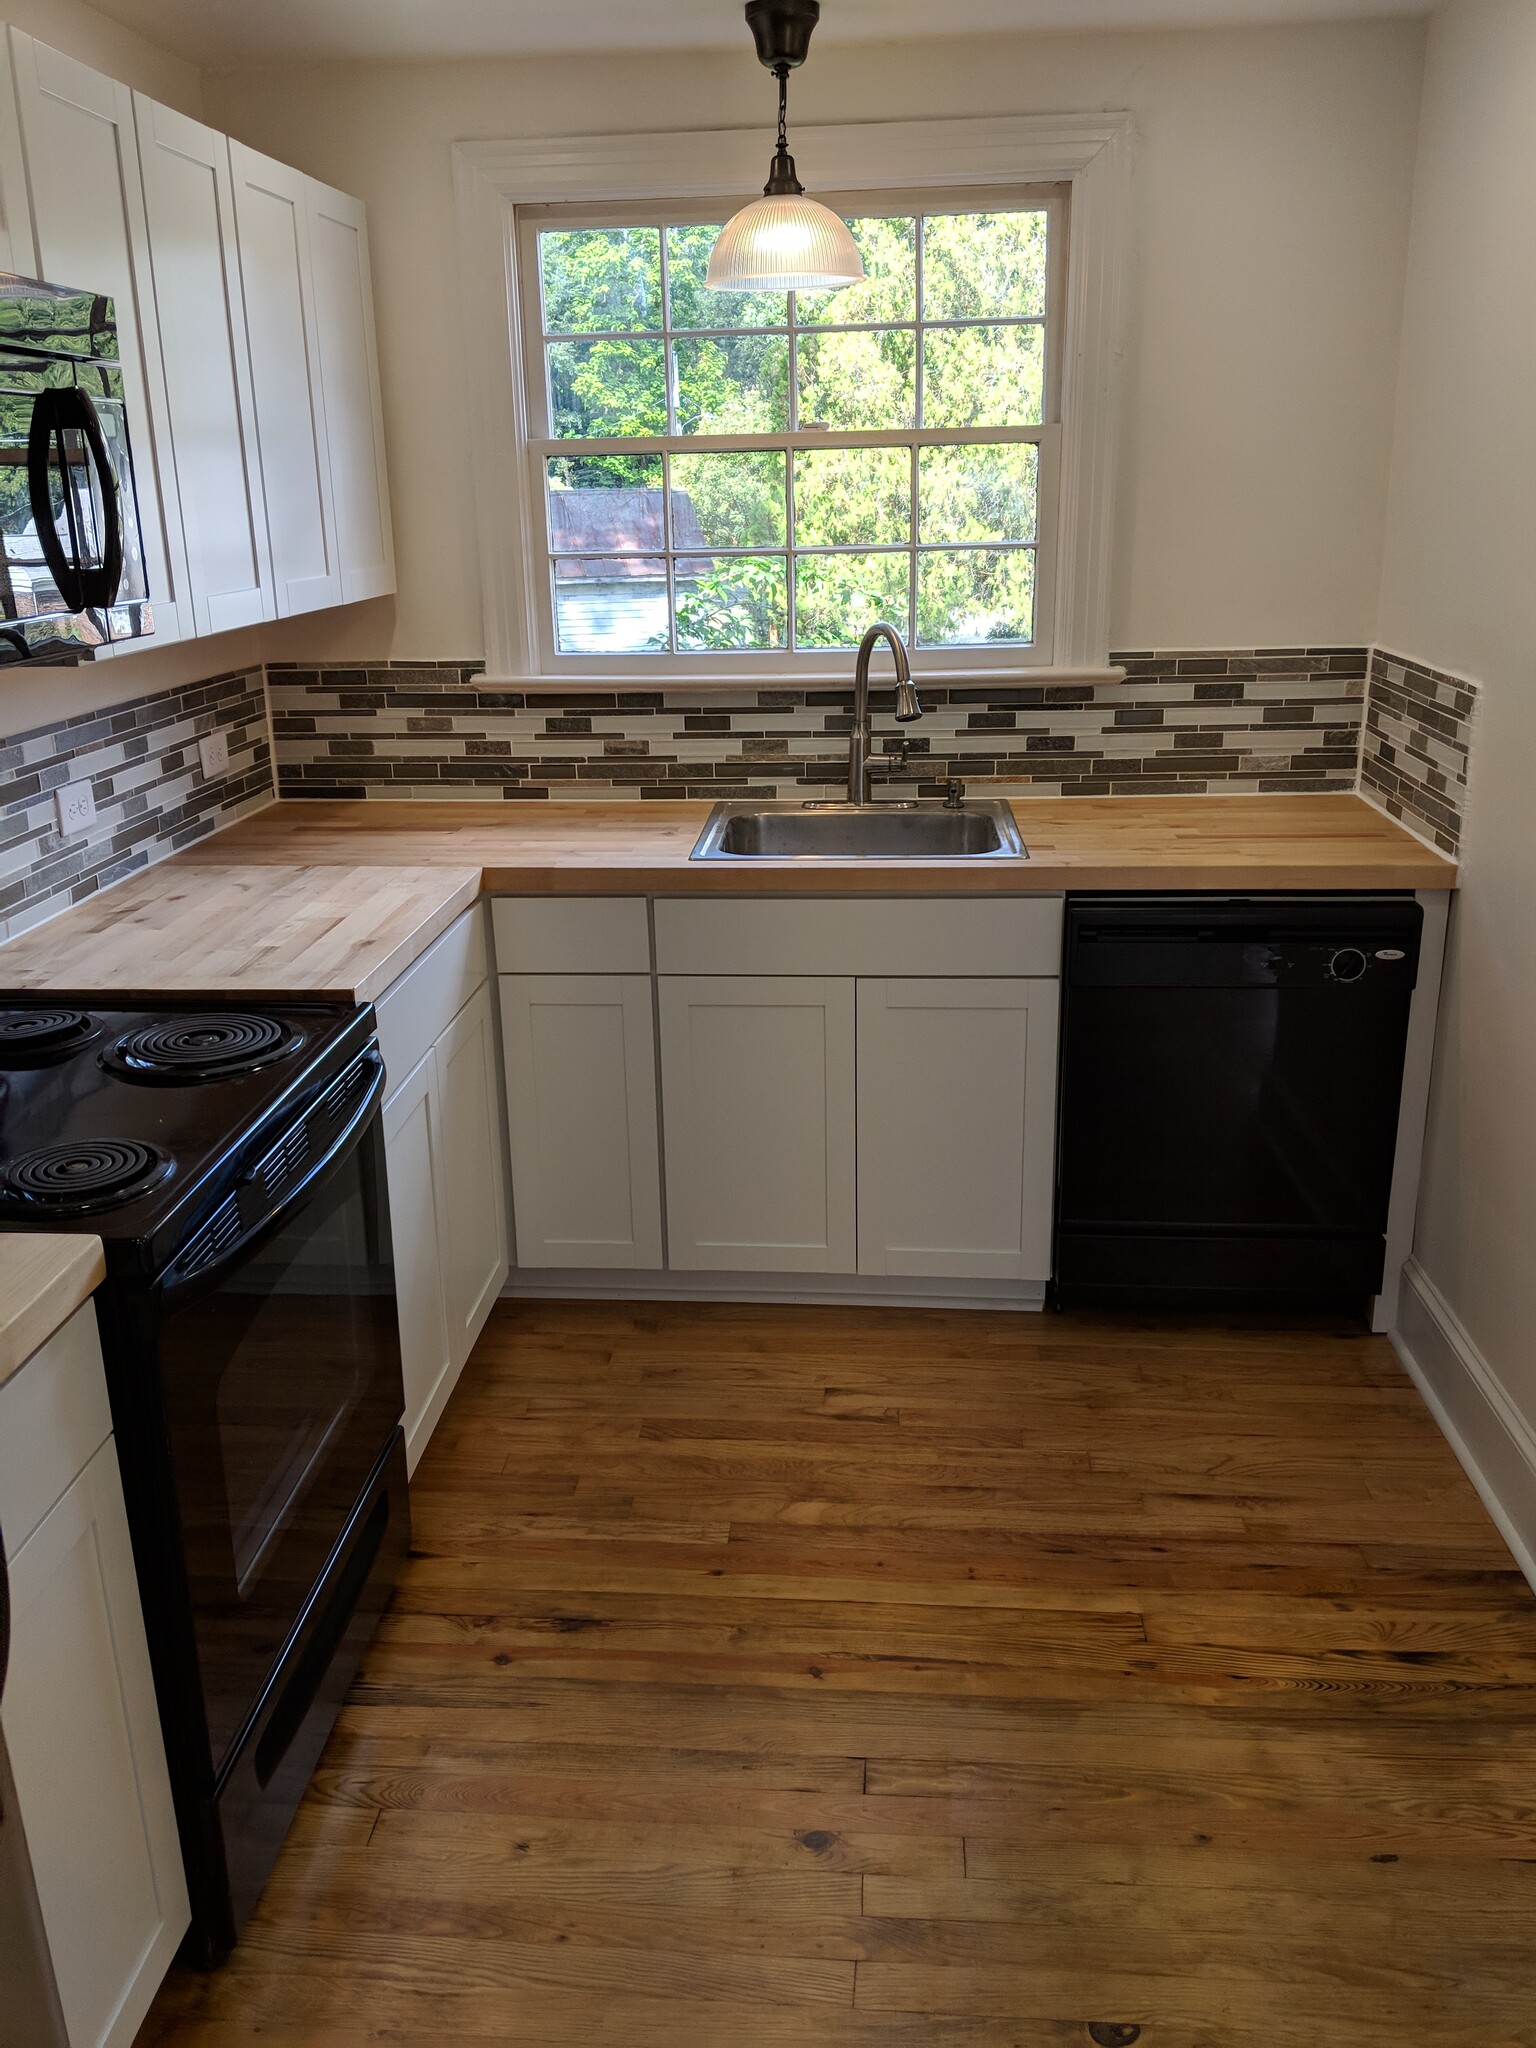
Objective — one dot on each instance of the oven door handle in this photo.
(56, 412)
(347, 1140)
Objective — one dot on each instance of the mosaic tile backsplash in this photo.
(1414, 747)
(151, 795)
(1266, 719)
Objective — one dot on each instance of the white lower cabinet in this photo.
(413, 1155)
(957, 1119)
(757, 1083)
(581, 1117)
(79, 1713)
(443, 1155)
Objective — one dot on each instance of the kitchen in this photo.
(766, 1152)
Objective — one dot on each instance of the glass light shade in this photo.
(784, 242)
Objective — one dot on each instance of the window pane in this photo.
(852, 497)
(599, 280)
(983, 266)
(695, 305)
(602, 388)
(977, 493)
(975, 597)
(617, 606)
(857, 380)
(839, 597)
(736, 385)
(604, 503)
(728, 501)
(889, 289)
(983, 376)
(735, 602)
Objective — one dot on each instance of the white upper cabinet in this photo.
(272, 214)
(343, 285)
(88, 230)
(189, 205)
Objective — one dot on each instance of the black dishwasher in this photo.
(1230, 1078)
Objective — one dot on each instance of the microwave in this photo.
(72, 575)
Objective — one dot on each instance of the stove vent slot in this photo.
(215, 1237)
(286, 1159)
(338, 1100)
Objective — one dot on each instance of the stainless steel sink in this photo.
(876, 831)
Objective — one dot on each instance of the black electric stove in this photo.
(231, 1161)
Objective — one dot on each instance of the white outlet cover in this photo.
(213, 752)
(75, 806)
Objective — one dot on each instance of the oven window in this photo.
(283, 1388)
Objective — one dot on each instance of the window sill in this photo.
(830, 679)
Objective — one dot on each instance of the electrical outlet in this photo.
(75, 805)
(213, 752)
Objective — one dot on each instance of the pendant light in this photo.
(783, 241)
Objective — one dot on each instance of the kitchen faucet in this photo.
(908, 706)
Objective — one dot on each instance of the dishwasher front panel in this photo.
(1231, 1075)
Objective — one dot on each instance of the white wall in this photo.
(1459, 592)
(1274, 168)
(80, 31)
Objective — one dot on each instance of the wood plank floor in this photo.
(771, 1676)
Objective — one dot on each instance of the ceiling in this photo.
(214, 33)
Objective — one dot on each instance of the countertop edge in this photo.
(44, 1277)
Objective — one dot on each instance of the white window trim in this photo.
(491, 179)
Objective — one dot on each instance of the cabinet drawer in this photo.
(571, 935)
(860, 935)
(416, 1010)
(54, 1417)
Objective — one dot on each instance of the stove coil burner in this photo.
(210, 1047)
(76, 1179)
(35, 1037)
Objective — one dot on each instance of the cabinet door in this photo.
(580, 1057)
(957, 1121)
(189, 206)
(758, 1112)
(88, 221)
(272, 216)
(475, 1224)
(349, 367)
(83, 1734)
(413, 1155)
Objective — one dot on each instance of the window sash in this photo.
(790, 661)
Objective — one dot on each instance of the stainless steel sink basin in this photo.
(877, 831)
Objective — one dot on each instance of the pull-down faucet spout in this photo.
(908, 704)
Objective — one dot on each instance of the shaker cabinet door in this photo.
(83, 1734)
(413, 1159)
(957, 1120)
(580, 1055)
(475, 1224)
(272, 215)
(87, 196)
(349, 368)
(758, 1111)
(189, 204)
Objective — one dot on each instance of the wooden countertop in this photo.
(334, 900)
(44, 1278)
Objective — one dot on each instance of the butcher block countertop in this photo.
(44, 1278)
(334, 900)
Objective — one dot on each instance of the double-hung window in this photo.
(741, 483)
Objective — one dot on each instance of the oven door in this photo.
(280, 1363)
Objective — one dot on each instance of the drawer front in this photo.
(571, 935)
(860, 935)
(416, 1010)
(54, 1418)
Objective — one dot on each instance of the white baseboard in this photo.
(848, 1290)
(1493, 1440)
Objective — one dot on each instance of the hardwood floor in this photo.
(793, 1678)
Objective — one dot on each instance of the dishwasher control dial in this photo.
(1348, 964)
